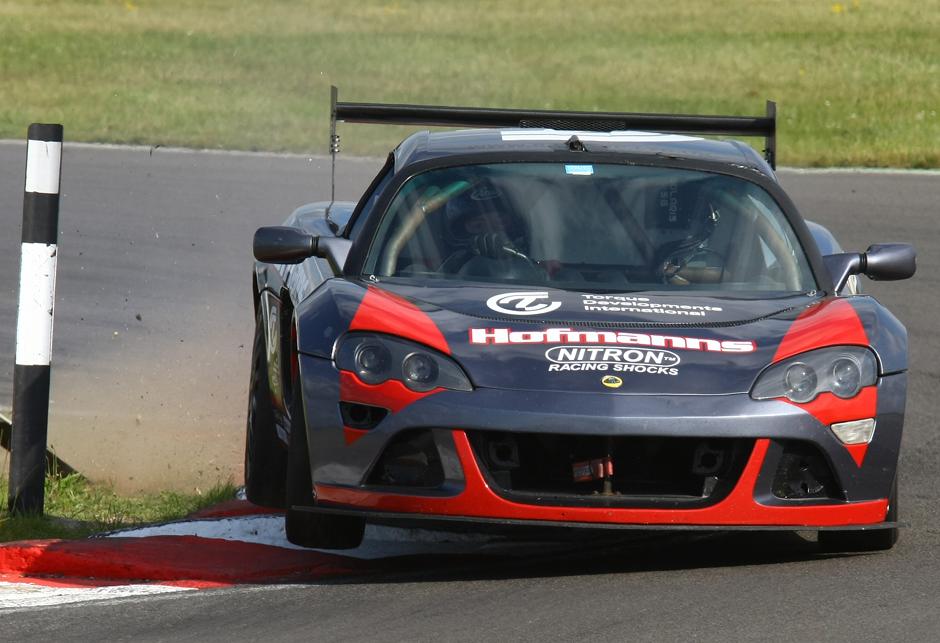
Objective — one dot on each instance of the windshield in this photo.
(601, 227)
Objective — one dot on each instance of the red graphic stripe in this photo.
(383, 312)
(857, 451)
(738, 508)
(390, 394)
(350, 435)
(829, 408)
(832, 322)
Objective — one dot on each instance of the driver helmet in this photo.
(477, 210)
(700, 223)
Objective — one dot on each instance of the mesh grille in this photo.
(644, 471)
(592, 125)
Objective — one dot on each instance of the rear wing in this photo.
(390, 114)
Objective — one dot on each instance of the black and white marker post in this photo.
(31, 375)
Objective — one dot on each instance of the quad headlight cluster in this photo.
(840, 370)
(379, 358)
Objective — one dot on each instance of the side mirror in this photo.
(284, 244)
(890, 261)
(881, 262)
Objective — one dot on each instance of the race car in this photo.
(568, 319)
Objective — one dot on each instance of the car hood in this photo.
(540, 307)
(632, 343)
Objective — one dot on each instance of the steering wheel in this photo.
(493, 254)
(680, 274)
(672, 259)
(491, 245)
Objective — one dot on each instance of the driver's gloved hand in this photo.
(490, 244)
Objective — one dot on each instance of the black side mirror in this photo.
(284, 244)
(881, 262)
(890, 261)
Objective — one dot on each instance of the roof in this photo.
(426, 145)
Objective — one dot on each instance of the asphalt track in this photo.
(165, 235)
(153, 321)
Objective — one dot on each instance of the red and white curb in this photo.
(233, 543)
(19, 595)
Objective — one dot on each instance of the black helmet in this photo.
(480, 200)
(696, 217)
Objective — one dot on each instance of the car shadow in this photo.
(591, 553)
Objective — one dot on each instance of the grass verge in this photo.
(75, 508)
(856, 80)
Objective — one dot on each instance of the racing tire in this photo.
(305, 528)
(265, 453)
(862, 541)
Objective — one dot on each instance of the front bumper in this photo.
(476, 499)
(341, 465)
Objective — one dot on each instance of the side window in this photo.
(379, 183)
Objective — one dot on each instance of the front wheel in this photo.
(304, 528)
(870, 540)
(265, 454)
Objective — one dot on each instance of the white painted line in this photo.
(857, 170)
(27, 595)
(37, 295)
(159, 149)
(379, 542)
(262, 530)
(43, 163)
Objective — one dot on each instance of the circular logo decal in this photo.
(522, 303)
(611, 381)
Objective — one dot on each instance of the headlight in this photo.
(372, 362)
(846, 376)
(378, 358)
(800, 381)
(840, 370)
(420, 371)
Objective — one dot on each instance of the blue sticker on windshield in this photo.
(579, 170)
